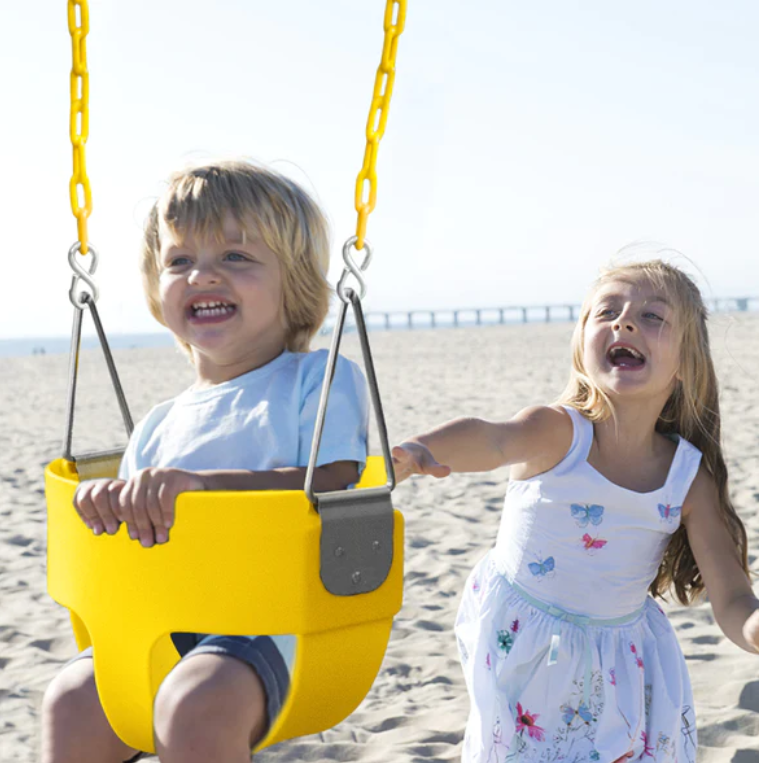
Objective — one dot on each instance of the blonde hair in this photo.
(284, 215)
(692, 410)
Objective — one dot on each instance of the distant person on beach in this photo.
(617, 494)
(234, 263)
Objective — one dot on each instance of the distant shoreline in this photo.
(414, 320)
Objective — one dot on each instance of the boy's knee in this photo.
(72, 693)
(222, 694)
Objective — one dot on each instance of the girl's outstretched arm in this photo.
(540, 435)
(735, 606)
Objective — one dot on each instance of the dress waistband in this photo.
(582, 622)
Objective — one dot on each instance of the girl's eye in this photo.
(654, 316)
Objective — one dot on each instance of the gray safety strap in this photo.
(97, 459)
(357, 525)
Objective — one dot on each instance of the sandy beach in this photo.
(418, 706)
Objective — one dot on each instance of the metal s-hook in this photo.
(352, 268)
(79, 298)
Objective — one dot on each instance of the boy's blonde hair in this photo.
(280, 211)
(692, 410)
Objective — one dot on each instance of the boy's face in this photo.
(224, 298)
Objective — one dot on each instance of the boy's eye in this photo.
(605, 312)
(236, 257)
(178, 261)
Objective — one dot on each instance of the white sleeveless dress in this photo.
(565, 655)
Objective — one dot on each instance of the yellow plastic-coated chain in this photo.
(366, 183)
(79, 186)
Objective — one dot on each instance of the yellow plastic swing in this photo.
(327, 568)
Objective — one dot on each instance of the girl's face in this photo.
(224, 298)
(631, 345)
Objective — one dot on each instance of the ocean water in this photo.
(375, 322)
(62, 344)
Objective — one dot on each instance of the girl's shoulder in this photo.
(550, 430)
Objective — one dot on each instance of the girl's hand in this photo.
(96, 502)
(146, 502)
(414, 458)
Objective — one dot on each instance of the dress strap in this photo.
(582, 438)
(683, 471)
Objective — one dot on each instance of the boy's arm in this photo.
(334, 476)
(540, 433)
(146, 502)
(735, 606)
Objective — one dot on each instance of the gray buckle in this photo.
(356, 540)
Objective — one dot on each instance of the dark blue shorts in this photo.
(260, 652)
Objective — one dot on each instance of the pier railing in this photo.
(490, 316)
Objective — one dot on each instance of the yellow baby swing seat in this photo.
(257, 572)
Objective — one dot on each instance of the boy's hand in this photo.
(146, 502)
(96, 502)
(414, 458)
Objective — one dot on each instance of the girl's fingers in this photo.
(438, 470)
(417, 461)
(400, 455)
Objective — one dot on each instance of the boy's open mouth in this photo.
(211, 310)
(625, 356)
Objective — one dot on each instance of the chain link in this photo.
(79, 117)
(366, 183)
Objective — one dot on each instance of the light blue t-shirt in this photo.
(261, 420)
(258, 421)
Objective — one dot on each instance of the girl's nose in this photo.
(624, 324)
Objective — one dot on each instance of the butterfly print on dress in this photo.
(668, 513)
(588, 513)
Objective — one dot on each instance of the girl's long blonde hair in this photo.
(692, 410)
(283, 214)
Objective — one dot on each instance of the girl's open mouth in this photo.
(623, 356)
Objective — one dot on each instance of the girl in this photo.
(234, 262)
(617, 490)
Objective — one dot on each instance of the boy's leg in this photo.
(74, 726)
(210, 707)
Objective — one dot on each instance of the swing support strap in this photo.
(81, 299)
(357, 525)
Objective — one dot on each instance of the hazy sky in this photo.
(527, 141)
